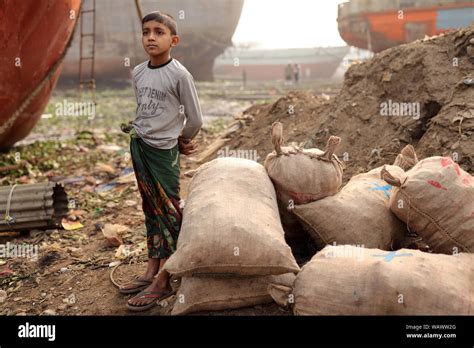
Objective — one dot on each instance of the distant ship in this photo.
(376, 25)
(206, 28)
(270, 64)
(36, 36)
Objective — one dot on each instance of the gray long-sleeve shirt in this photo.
(167, 104)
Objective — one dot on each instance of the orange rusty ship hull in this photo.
(35, 37)
(380, 30)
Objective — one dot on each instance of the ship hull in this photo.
(380, 30)
(37, 34)
(206, 28)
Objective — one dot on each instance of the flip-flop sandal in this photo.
(157, 296)
(165, 296)
(140, 285)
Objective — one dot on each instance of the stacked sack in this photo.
(348, 280)
(231, 244)
(359, 214)
(301, 176)
(435, 199)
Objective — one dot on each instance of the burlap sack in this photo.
(303, 175)
(359, 215)
(347, 280)
(211, 294)
(435, 199)
(292, 227)
(407, 158)
(231, 224)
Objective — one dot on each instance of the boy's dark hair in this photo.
(163, 18)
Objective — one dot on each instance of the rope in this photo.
(139, 10)
(8, 218)
(117, 285)
(112, 272)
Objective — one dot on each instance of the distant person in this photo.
(288, 74)
(166, 98)
(297, 72)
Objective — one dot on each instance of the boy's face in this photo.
(157, 38)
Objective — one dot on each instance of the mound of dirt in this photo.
(420, 93)
(249, 135)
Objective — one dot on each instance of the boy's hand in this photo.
(186, 146)
(126, 128)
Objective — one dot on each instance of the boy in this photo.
(166, 97)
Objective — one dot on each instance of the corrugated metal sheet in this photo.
(33, 206)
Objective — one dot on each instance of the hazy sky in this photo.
(289, 23)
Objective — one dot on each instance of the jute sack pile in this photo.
(435, 199)
(347, 280)
(214, 294)
(359, 214)
(303, 175)
(231, 224)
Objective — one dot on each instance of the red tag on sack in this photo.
(467, 180)
(446, 161)
(436, 184)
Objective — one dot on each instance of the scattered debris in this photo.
(114, 263)
(9, 234)
(49, 312)
(109, 148)
(113, 234)
(13, 167)
(72, 180)
(107, 168)
(121, 252)
(71, 226)
(48, 259)
(3, 296)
